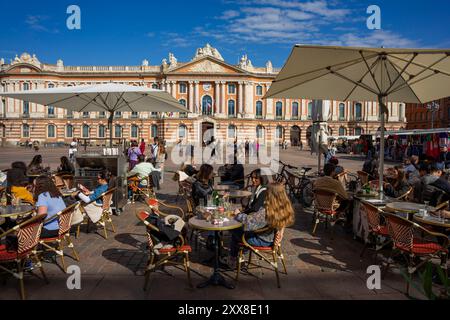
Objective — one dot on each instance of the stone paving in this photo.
(318, 267)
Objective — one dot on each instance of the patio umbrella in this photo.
(364, 74)
(110, 97)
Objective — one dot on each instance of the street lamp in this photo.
(433, 107)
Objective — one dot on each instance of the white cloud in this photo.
(36, 22)
(377, 38)
(229, 14)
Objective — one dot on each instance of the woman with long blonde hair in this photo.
(276, 214)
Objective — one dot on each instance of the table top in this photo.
(16, 210)
(236, 193)
(408, 207)
(432, 221)
(225, 188)
(208, 226)
(68, 193)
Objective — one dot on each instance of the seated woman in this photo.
(66, 166)
(49, 201)
(276, 214)
(35, 167)
(17, 182)
(203, 186)
(259, 183)
(398, 186)
(95, 209)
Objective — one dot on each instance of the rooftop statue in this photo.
(208, 51)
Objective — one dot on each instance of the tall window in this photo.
(183, 102)
(182, 131)
(118, 114)
(51, 111)
(231, 131)
(86, 115)
(279, 110)
(69, 131)
(358, 131)
(118, 131)
(342, 131)
(207, 107)
(342, 111)
(51, 131)
(259, 90)
(280, 132)
(310, 107)
(101, 131)
(154, 131)
(102, 114)
(231, 88)
(295, 110)
(231, 108)
(183, 88)
(155, 86)
(134, 131)
(25, 131)
(260, 132)
(26, 109)
(134, 115)
(26, 86)
(85, 131)
(69, 114)
(259, 109)
(358, 112)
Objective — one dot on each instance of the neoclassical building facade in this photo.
(222, 97)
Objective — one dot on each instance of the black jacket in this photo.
(257, 201)
(201, 191)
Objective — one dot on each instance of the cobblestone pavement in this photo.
(318, 267)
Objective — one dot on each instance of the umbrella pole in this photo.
(382, 143)
(110, 125)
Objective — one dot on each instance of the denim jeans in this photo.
(236, 238)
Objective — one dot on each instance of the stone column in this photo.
(249, 99)
(218, 107)
(191, 96)
(223, 106)
(241, 98)
(287, 113)
(269, 106)
(197, 98)
(174, 89)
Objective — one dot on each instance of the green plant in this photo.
(425, 284)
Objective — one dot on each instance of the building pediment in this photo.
(23, 68)
(207, 65)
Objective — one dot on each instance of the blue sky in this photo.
(126, 32)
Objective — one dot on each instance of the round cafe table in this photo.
(216, 278)
(236, 194)
(432, 221)
(407, 208)
(14, 212)
(223, 187)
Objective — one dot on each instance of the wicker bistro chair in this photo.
(138, 191)
(378, 230)
(161, 257)
(363, 177)
(406, 196)
(326, 204)
(156, 206)
(106, 213)
(413, 242)
(271, 254)
(28, 234)
(65, 222)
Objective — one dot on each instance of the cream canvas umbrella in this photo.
(364, 74)
(110, 97)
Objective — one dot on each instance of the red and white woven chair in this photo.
(414, 242)
(28, 234)
(56, 244)
(325, 208)
(163, 257)
(271, 254)
(378, 230)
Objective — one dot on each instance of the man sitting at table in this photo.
(431, 187)
(140, 171)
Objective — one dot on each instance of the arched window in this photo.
(259, 90)
(260, 132)
(232, 133)
(51, 131)
(69, 131)
(279, 109)
(154, 131)
(310, 107)
(342, 131)
(231, 108)
(26, 86)
(118, 131)
(134, 131)
(358, 131)
(358, 112)
(155, 86)
(341, 111)
(207, 106)
(280, 132)
(25, 131)
(183, 88)
(101, 131)
(86, 130)
(182, 131)
(26, 109)
(259, 109)
(295, 110)
(51, 111)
